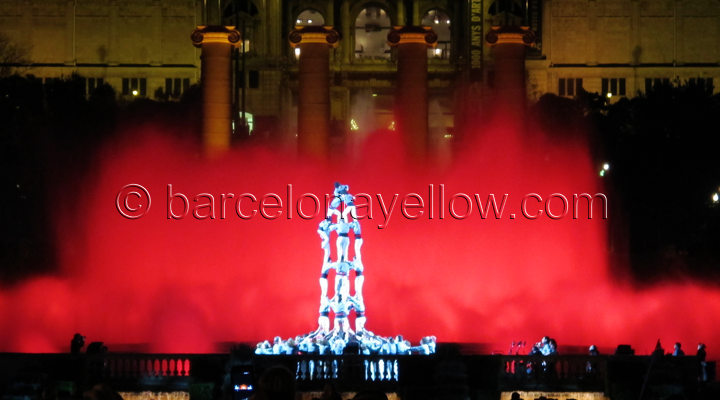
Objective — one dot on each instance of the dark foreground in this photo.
(445, 375)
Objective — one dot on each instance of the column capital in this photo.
(215, 34)
(412, 34)
(314, 34)
(510, 35)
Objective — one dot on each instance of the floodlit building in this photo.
(143, 49)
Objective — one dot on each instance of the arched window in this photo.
(440, 23)
(372, 26)
(310, 17)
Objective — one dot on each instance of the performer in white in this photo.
(341, 305)
(343, 241)
(357, 261)
(324, 232)
(349, 201)
(341, 195)
(323, 320)
(335, 203)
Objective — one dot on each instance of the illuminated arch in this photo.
(309, 17)
(371, 25)
(441, 23)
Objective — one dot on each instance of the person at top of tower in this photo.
(341, 195)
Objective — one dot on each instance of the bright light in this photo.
(297, 52)
(448, 136)
(392, 126)
(437, 21)
(249, 121)
(609, 95)
(716, 197)
(299, 21)
(605, 169)
(353, 125)
(134, 92)
(309, 21)
(438, 52)
(447, 22)
(374, 95)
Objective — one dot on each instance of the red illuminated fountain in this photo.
(484, 250)
(190, 283)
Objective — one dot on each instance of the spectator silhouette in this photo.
(77, 343)
(593, 351)
(702, 365)
(591, 366)
(677, 350)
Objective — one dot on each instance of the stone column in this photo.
(216, 43)
(508, 51)
(314, 43)
(411, 98)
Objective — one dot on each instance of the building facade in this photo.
(142, 48)
(624, 47)
(138, 47)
